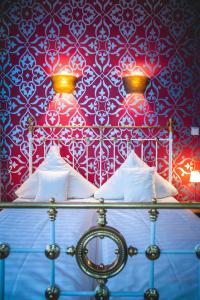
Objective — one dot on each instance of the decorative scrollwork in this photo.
(152, 252)
(52, 251)
(101, 271)
(52, 293)
(4, 250)
(151, 294)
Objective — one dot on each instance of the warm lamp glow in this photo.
(64, 83)
(135, 83)
(195, 176)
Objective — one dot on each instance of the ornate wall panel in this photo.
(99, 41)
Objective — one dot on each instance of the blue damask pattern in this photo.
(27, 75)
(99, 42)
(176, 77)
(152, 46)
(27, 14)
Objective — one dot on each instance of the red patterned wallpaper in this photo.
(99, 41)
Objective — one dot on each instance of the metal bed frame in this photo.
(99, 272)
(97, 133)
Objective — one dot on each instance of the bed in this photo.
(29, 274)
(116, 230)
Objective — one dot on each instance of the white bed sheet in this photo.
(176, 276)
(28, 275)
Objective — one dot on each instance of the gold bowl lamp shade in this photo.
(64, 83)
(135, 83)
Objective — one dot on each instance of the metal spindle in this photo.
(151, 274)
(87, 157)
(30, 153)
(170, 156)
(199, 280)
(156, 155)
(114, 154)
(100, 153)
(55, 250)
(127, 147)
(142, 150)
(152, 242)
(73, 147)
(2, 278)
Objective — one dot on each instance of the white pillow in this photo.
(163, 187)
(138, 184)
(112, 189)
(78, 186)
(52, 184)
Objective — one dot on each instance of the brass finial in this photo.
(71, 250)
(132, 251)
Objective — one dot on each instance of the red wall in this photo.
(99, 41)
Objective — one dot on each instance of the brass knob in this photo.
(71, 251)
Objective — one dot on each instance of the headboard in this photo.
(97, 151)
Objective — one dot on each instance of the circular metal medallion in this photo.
(101, 270)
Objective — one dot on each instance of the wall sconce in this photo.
(135, 83)
(195, 178)
(64, 83)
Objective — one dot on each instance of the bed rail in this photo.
(106, 205)
(99, 272)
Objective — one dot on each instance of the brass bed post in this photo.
(152, 253)
(87, 157)
(52, 252)
(197, 252)
(100, 154)
(114, 153)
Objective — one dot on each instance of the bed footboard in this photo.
(103, 272)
